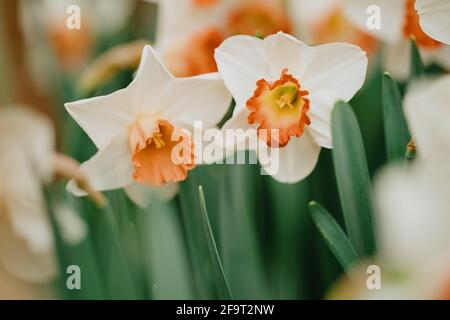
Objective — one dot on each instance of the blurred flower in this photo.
(325, 21)
(107, 65)
(413, 212)
(45, 22)
(27, 260)
(188, 31)
(137, 129)
(282, 84)
(400, 23)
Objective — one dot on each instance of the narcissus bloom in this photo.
(325, 21)
(413, 220)
(401, 20)
(144, 132)
(188, 31)
(27, 256)
(282, 84)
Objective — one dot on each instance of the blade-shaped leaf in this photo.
(417, 68)
(352, 175)
(395, 129)
(334, 236)
(220, 279)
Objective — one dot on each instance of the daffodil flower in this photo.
(412, 207)
(401, 20)
(188, 31)
(144, 132)
(282, 84)
(27, 256)
(325, 21)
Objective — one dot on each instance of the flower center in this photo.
(413, 29)
(336, 27)
(280, 108)
(197, 55)
(160, 152)
(258, 20)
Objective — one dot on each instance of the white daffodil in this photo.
(188, 31)
(27, 260)
(399, 22)
(325, 21)
(282, 84)
(139, 129)
(413, 207)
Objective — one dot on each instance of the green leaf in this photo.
(352, 175)
(221, 281)
(417, 68)
(395, 128)
(334, 236)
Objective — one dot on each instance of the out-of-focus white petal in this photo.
(23, 201)
(440, 56)
(297, 159)
(412, 220)
(241, 61)
(143, 195)
(73, 229)
(435, 18)
(110, 168)
(28, 132)
(202, 98)
(102, 118)
(392, 17)
(336, 72)
(398, 60)
(427, 111)
(20, 260)
(320, 127)
(285, 51)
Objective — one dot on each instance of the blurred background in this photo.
(267, 242)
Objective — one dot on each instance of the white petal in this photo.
(102, 118)
(440, 56)
(398, 59)
(296, 160)
(17, 258)
(30, 134)
(285, 51)
(435, 18)
(203, 98)
(73, 228)
(412, 217)
(241, 62)
(428, 114)
(151, 80)
(143, 195)
(23, 201)
(110, 168)
(392, 17)
(336, 72)
(320, 127)
(238, 134)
